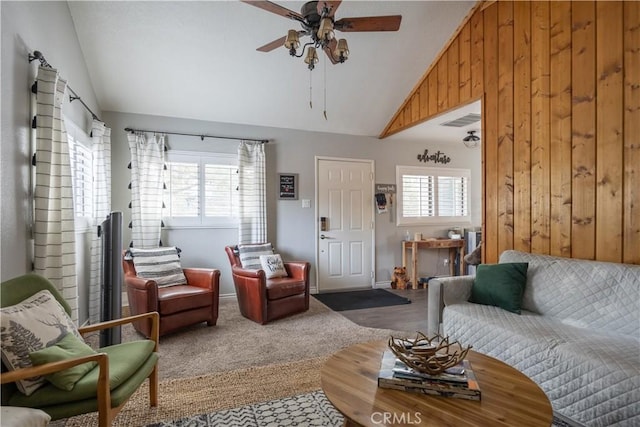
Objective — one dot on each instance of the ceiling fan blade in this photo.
(329, 50)
(272, 45)
(369, 23)
(331, 5)
(275, 8)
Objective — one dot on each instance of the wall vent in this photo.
(463, 121)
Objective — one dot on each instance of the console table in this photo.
(455, 246)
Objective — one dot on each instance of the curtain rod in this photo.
(74, 96)
(201, 136)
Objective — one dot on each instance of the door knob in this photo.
(322, 236)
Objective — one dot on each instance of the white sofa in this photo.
(578, 336)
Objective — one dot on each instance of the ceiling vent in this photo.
(463, 121)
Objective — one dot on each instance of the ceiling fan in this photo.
(317, 19)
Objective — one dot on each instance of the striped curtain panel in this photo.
(101, 157)
(252, 193)
(147, 164)
(54, 231)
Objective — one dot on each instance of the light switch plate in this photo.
(306, 203)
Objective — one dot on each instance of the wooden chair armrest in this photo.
(49, 368)
(155, 325)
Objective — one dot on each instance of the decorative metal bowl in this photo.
(428, 355)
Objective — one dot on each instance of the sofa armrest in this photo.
(445, 291)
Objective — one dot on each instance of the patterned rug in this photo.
(309, 409)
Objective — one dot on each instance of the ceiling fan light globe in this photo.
(325, 30)
(342, 50)
(292, 41)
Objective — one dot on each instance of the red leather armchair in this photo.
(263, 300)
(178, 306)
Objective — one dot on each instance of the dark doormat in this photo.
(356, 300)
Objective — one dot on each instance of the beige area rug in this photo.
(236, 342)
(184, 397)
(239, 362)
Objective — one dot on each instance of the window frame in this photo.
(201, 158)
(434, 172)
(76, 136)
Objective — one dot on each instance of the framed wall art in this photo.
(288, 186)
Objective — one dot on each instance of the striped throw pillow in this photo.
(250, 255)
(159, 264)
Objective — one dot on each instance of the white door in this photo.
(345, 205)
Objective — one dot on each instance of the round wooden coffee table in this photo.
(509, 398)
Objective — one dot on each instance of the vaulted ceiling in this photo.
(198, 60)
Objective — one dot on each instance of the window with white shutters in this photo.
(201, 190)
(81, 160)
(432, 195)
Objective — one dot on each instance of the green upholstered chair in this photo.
(120, 369)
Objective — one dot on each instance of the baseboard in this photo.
(382, 285)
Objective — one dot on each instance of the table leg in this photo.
(452, 260)
(462, 263)
(414, 263)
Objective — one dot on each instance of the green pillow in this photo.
(500, 285)
(68, 347)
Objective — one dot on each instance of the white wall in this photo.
(291, 227)
(29, 26)
(47, 26)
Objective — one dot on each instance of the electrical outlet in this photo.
(445, 262)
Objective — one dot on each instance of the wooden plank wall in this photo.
(560, 84)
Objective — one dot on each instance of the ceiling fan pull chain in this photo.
(325, 89)
(310, 91)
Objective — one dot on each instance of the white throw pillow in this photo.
(15, 416)
(273, 266)
(159, 264)
(250, 255)
(37, 322)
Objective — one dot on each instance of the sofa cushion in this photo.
(592, 377)
(174, 299)
(273, 266)
(36, 323)
(124, 361)
(589, 294)
(249, 254)
(67, 348)
(500, 285)
(159, 264)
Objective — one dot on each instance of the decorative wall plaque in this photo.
(437, 157)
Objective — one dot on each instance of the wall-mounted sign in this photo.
(385, 188)
(288, 186)
(437, 157)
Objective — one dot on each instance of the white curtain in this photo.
(147, 164)
(252, 193)
(101, 204)
(54, 231)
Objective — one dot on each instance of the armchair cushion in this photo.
(37, 322)
(68, 347)
(249, 255)
(175, 299)
(125, 360)
(159, 264)
(273, 266)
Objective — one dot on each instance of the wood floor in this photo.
(406, 317)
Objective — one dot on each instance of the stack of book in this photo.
(458, 381)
